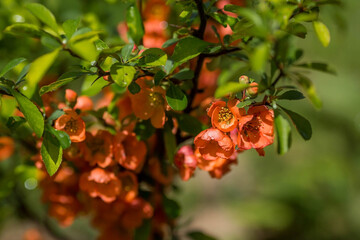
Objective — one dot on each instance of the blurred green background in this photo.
(312, 192)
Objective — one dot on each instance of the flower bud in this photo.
(253, 90)
(244, 79)
(70, 96)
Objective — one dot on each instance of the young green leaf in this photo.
(170, 42)
(322, 33)
(122, 75)
(291, 95)
(153, 57)
(31, 112)
(297, 29)
(302, 125)
(61, 136)
(176, 98)
(44, 15)
(188, 48)
(126, 51)
(11, 65)
(283, 131)
(70, 26)
(24, 29)
(135, 25)
(230, 87)
(39, 67)
(63, 80)
(51, 152)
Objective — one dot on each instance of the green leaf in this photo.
(297, 29)
(170, 142)
(259, 57)
(283, 130)
(244, 104)
(188, 48)
(55, 115)
(184, 74)
(171, 208)
(43, 14)
(323, 67)
(309, 88)
(159, 75)
(134, 87)
(322, 33)
(122, 75)
(84, 45)
(14, 122)
(24, 29)
(11, 65)
(39, 67)
(153, 57)
(61, 136)
(170, 42)
(63, 80)
(70, 26)
(126, 52)
(189, 124)
(31, 112)
(230, 87)
(144, 130)
(176, 98)
(51, 152)
(291, 95)
(196, 235)
(100, 45)
(143, 232)
(307, 16)
(92, 85)
(50, 42)
(135, 25)
(302, 125)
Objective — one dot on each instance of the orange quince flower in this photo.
(256, 129)
(128, 151)
(72, 124)
(98, 149)
(149, 103)
(224, 116)
(129, 184)
(7, 147)
(185, 161)
(217, 168)
(100, 183)
(213, 143)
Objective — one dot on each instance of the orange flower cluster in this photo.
(102, 170)
(233, 130)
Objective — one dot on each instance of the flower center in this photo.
(225, 115)
(71, 126)
(252, 126)
(155, 99)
